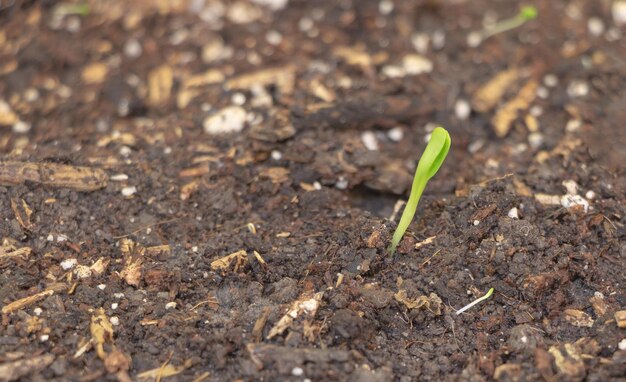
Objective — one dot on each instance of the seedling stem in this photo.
(527, 13)
(434, 154)
(471, 304)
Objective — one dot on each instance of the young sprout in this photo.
(525, 14)
(483, 298)
(432, 158)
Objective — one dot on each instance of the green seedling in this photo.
(483, 298)
(432, 158)
(66, 9)
(525, 14)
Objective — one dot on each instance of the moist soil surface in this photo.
(205, 191)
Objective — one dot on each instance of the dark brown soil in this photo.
(120, 192)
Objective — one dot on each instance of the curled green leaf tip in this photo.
(486, 296)
(529, 12)
(434, 154)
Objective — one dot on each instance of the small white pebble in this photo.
(573, 125)
(274, 5)
(21, 127)
(570, 186)
(462, 109)
(230, 119)
(317, 185)
(439, 40)
(385, 7)
(167, 150)
(115, 320)
(578, 88)
(536, 111)
(132, 48)
(420, 42)
(622, 344)
(31, 95)
(550, 80)
(44, 337)
(369, 140)
(50, 237)
(543, 92)
(475, 146)
(102, 286)
(61, 238)
(414, 64)
(590, 195)
(273, 37)
(297, 371)
(238, 99)
(535, 140)
(276, 155)
(305, 24)
(119, 177)
(595, 25)
(476, 222)
(129, 191)
(568, 201)
(118, 295)
(618, 10)
(396, 134)
(194, 249)
(37, 311)
(170, 305)
(613, 34)
(114, 305)
(474, 39)
(68, 264)
(393, 71)
(341, 183)
(513, 213)
(524, 339)
(125, 151)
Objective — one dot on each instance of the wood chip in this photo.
(53, 175)
(305, 305)
(133, 262)
(578, 318)
(432, 303)
(509, 112)
(101, 332)
(549, 200)
(8, 250)
(167, 370)
(191, 87)
(568, 360)
(275, 174)
(239, 258)
(12, 371)
(521, 188)
(428, 240)
(94, 73)
(189, 189)
(600, 307)
(22, 213)
(283, 78)
(27, 301)
(507, 372)
(490, 94)
(7, 116)
(257, 330)
(620, 319)
(160, 82)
